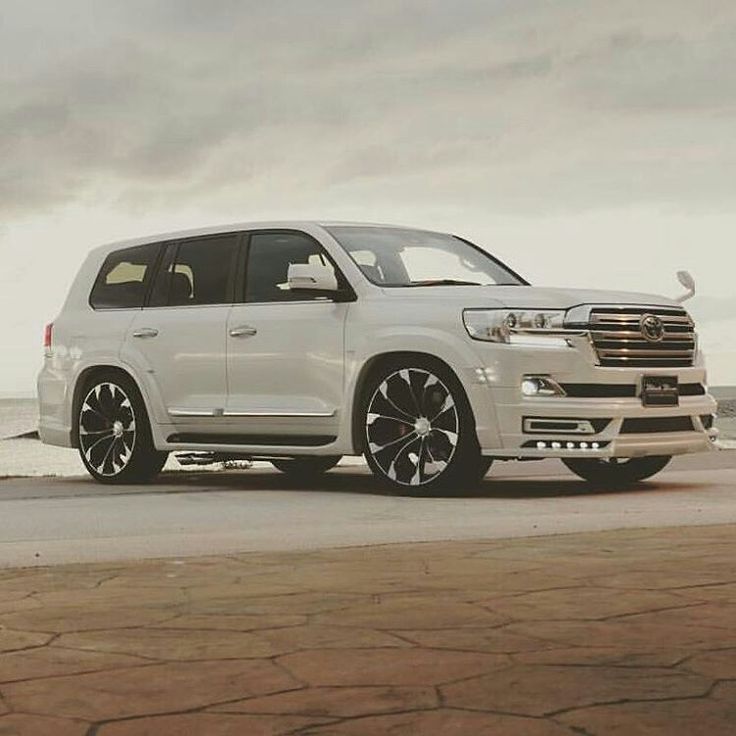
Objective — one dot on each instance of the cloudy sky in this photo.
(589, 143)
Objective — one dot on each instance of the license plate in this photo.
(660, 391)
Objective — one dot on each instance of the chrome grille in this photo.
(619, 340)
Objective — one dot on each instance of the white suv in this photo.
(301, 342)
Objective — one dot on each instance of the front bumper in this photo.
(503, 367)
(613, 440)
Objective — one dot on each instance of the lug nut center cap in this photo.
(422, 426)
(117, 428)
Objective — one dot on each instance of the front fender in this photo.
(451, 349)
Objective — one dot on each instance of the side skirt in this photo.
(266, 440)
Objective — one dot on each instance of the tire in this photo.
(418, 429)
(616, 473)
(306, 467)
(115, 441)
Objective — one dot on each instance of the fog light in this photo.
(541, 386)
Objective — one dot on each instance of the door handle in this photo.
(243, 331)
(146, 332)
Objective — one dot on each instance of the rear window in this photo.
(124, 277)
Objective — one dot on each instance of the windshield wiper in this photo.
(443, 282)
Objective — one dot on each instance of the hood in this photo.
(544, 298)
(527, 297)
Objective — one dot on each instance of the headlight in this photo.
(499, 325)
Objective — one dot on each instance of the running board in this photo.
(252, 440)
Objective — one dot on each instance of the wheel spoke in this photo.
(383, 389)
(97, 442)
(417, 478)
(128, 437)
(379, 448)
(121, 456)
(451, 436)
(87, 407)
(371, 418)
(99, 450)
(425, 456)
(447, 404)
(433, 397)
(89, 432)
(107, 455)
(406, 375)
(438, 465)
(393, 471)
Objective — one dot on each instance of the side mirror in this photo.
(687, 280)
(311, 277)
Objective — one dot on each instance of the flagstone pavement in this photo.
(622, 633)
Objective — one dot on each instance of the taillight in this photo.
(47, 333)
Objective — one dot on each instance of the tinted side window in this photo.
(196, 272)
(124, 277)
(269, 257)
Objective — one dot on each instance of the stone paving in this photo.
(616, 633)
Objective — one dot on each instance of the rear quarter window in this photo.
(124, 277)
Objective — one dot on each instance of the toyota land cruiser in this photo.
(301, 342)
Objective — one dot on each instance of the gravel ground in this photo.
(626, 633)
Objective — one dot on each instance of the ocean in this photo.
(27, 456)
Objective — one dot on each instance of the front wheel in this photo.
(115, 441)
(616, 472)
(419, 431)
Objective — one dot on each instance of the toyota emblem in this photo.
(652, 328)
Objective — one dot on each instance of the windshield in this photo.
(401, 257)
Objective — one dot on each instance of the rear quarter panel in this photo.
(82, 338)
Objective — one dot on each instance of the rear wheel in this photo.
(419, 431)
(115, 441)
(306, 467)
(616, 472)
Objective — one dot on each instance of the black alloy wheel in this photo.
(115, 441)
(419, 430)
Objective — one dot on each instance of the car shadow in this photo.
(356, 480)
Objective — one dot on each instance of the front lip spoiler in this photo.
(661, 443)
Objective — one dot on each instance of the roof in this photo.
(306, 225)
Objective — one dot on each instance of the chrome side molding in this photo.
(277, 414)
(184, 412)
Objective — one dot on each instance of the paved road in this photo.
(52, 521)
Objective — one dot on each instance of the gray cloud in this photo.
(562, 135)
(524, 105)
(662, 73)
